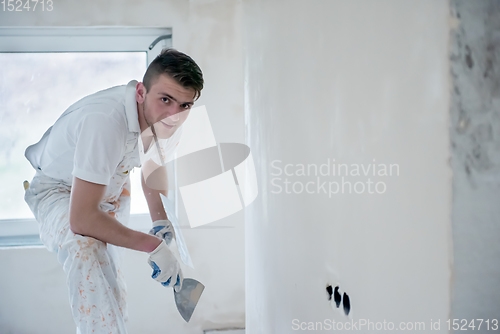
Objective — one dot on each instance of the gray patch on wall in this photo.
(475, 158)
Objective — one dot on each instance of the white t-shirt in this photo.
(168, 148)
(93, 139)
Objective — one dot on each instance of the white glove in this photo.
(165, 266)
(163, 229)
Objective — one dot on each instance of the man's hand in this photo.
(163, 229)
(165, 266)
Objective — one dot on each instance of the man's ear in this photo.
(140, 92)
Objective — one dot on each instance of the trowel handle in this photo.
(168, 282)
(172, 245)
(174, 248)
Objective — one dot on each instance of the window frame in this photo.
(24, 232)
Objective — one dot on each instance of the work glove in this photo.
(163, 229)
(165, 266)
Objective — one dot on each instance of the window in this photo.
(45, 70)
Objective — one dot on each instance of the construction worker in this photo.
(80, 194)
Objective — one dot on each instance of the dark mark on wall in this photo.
(468, 57)
(347, 304)
(330, 292)
(490, 54)
(337, 296)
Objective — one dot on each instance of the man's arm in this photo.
(158, 176)
(86, 218)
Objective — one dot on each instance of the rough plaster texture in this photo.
(475, 137)
(209, 31)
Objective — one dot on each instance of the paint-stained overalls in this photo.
(96, 285)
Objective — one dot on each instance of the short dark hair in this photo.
(179, 67)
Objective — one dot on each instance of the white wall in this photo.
(33, 293)
(351, 81)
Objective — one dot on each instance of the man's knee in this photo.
(89, 248)
(85, 249)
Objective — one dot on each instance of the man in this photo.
(80, 194)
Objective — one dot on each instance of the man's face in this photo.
(166, 105)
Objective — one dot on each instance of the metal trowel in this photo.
(187, 298)
(181, 244)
